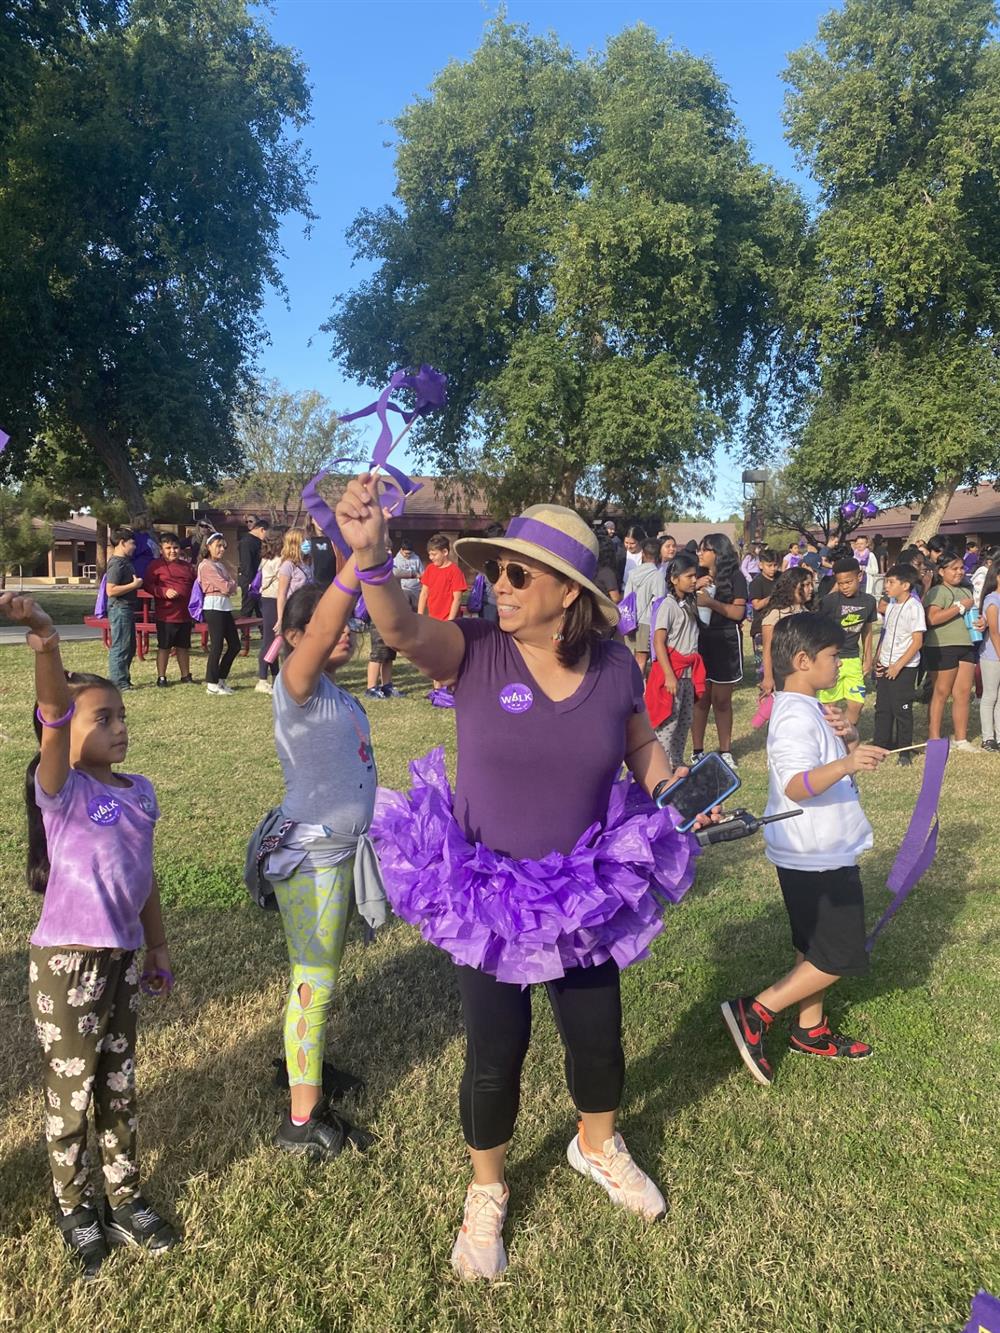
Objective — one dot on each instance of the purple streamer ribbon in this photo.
(916, 851)
(430, 389)
(985, 1316)
(4, 440)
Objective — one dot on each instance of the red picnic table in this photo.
(145, 625)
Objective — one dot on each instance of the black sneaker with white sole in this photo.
(821, 1041)
(84, 1237)
(324, 1136)
(136, 1223)
(748, 1022)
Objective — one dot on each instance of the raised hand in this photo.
(26, 611)
(360, 516)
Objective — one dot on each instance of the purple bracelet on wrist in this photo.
(808, 785)
(60, 721)
(351, 592)
(380, 574)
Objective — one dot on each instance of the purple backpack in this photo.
(478, 594)
(196, 602)
(627, 618)
(101, 602)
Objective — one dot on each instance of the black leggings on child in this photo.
(586, 1003)
(221, 630)
(269, 617)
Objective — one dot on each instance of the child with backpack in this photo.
(677, 675)
(90, 851)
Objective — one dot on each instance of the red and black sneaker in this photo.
(821, 1041)
(748, 1022)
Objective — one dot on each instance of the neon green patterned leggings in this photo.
(315, 906)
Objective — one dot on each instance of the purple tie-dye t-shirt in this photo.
(101, 853)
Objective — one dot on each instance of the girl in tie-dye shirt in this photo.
(90, 851)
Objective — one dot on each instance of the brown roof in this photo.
(970, 512)
(686, 532)
(80, 529)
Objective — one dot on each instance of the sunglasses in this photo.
(517, 575)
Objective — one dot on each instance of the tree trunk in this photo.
(566, 494)
(933, 510)
(115, 458)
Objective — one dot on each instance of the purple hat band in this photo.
(581, 557)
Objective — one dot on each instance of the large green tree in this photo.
(146, 161)
(896, 112)
(586, 247)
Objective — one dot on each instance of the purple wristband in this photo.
(380, 574)
(351, 592)
(59, 722)
(808, 784)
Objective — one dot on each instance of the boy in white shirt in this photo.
(813, 754)
(897, 660)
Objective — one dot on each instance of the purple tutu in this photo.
(527, 921)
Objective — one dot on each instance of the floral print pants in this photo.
(85, 1002)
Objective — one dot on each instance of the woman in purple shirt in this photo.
(536, 870)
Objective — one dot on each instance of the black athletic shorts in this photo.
(947, 657)
(380, 650)
(826, 910)
(722, 652)
(173, 634)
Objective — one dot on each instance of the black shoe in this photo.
(904, 760)
(748, 1022)
(337, 1083)
(162, 682)
(695, 756)
(324, 1135)
(821, 1041)
(992, 746)
(188, 679)
(81, 1230)
(136, 1223)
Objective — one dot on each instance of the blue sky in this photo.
(369, 60)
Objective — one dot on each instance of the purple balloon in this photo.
(849, 509)
(870, 510)
(860, 493)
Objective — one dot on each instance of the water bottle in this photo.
(705, 612)
(970, 617)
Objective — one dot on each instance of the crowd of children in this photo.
(821, 639)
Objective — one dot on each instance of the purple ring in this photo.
(581, 557)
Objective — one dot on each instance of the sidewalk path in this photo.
(68, 633)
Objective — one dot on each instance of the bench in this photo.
(145, 626)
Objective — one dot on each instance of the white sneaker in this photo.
(966, 746)
(727, 758)
(212, 689)
(616, 1172)
(264, 687)
(479, 1250)
(223, 688)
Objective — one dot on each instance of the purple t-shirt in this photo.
(533, 774)
(101, 853)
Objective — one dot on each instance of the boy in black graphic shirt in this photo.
(855, 612)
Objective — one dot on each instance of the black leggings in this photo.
(269, 616)
(587, 1006)
(221, 629)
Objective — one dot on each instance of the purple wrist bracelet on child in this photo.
(808, 784)
(379, 574)
(351, 592)
(60, 721)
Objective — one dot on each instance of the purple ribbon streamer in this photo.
(4, 440)
(916, 851)
(985, 1317)
(431, 390)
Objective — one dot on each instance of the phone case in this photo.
(688, 824)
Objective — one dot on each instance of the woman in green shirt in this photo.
(948, 651)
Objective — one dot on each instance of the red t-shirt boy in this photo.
(442, 582)
(169, 580)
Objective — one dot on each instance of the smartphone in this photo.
(707, 785)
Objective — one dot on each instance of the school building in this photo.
(970, 514)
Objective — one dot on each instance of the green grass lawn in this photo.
(66, 606)
(858, 1199)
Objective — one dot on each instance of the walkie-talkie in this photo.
(739, 825)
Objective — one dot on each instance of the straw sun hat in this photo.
(554, 536)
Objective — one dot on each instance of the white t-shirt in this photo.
(902, 620)
(832, 830)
